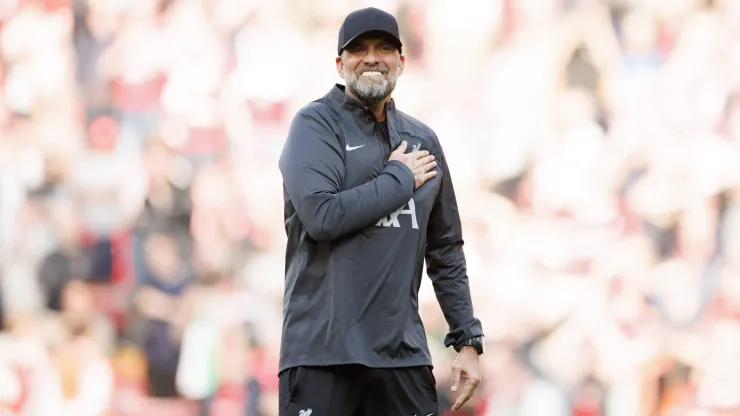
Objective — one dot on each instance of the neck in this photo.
(377, 109)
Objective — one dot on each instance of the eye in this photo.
(358, 48)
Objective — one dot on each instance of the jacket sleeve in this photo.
(312, 167)
(446, 262)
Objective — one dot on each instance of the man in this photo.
(361, 214)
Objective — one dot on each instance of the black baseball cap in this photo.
(367, 20)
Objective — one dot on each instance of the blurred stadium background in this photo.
(595, 147)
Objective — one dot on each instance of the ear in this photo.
(401, 64)
(340, 67)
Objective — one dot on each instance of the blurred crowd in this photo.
(592, 145)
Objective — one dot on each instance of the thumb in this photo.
(456, 373)
(401, 147)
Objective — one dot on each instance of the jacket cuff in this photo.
(402, 173)
(462, 334)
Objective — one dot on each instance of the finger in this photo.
(426, 159)
(424, 170)
(429, 175)
(421, 153)
(456, 372)
(424, 165)
(429, 166)
(470, 386)
(401, 147)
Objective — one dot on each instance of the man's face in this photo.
(370, 67)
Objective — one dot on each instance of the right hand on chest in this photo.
(420, 162)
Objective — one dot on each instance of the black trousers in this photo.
(355, 390)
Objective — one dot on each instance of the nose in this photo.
(371, 57)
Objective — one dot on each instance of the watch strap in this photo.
(475, 342)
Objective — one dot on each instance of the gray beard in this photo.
(370, 93)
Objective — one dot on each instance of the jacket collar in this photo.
(338, 96)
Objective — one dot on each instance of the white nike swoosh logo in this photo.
(351, 148)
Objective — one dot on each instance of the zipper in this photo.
(386, 138)
(385, 153)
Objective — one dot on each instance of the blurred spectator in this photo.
(157, 299)
(70, 260)
(79, 354)
(168, 205)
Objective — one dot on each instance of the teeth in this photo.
(371, 74)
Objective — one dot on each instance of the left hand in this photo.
(465, 365)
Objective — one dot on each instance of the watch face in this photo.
(481, 341)
(478, 343)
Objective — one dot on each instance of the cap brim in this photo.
(374, 30)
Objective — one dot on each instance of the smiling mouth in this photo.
(371, 74)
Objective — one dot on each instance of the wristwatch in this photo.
(476, 342)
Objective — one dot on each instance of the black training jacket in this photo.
(358, 234)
